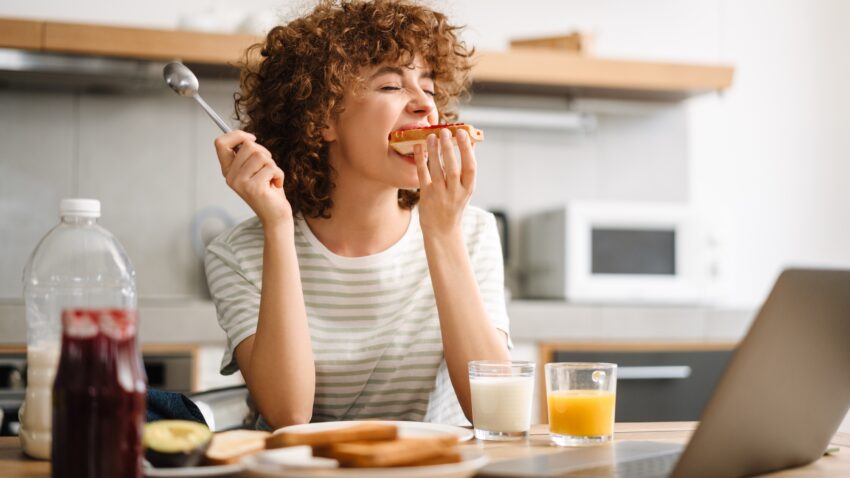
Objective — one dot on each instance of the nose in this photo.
(421, 103)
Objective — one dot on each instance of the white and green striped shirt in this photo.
(373, 320)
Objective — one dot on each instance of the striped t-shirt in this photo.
(373, 320)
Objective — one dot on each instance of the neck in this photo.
(362, 222)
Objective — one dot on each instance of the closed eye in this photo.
(397, 88)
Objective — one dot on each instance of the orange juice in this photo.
(581, 412)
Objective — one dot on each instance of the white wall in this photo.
(767, 159)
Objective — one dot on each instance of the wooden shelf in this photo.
(518, 70)
(140, 43)
(554, 71)
(24, 34)
(124, 42)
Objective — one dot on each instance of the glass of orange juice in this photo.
(581, 398)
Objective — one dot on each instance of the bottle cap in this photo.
(79, 207)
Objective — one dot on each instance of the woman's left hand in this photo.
(445, 184)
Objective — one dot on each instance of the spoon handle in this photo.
(215, 117)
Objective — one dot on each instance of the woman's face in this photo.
(394, 97)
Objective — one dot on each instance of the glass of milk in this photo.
(501, 398)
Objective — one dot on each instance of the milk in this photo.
(36, 413)
(502, 404)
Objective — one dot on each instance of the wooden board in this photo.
(574, 42)
(143, 43)
(548, 70)
(23, 34)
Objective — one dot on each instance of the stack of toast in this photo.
(370, 445)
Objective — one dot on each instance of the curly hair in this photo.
(295, 86)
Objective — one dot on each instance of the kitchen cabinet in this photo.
(656, 381)
(519, 70)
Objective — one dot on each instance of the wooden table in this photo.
(13, 464)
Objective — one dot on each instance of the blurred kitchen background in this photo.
(760, 165)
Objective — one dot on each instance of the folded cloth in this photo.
(164, 405)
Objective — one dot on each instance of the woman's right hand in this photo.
(250, 170)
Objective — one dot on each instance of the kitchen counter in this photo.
(194, 322)
(14, 464)
(160, 322)
(552, 321)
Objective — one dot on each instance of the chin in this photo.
(410, 185)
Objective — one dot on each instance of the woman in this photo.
(365, 284)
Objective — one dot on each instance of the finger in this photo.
(277, 178)
(225, 145)
(434, 166)
(468, 162)
(229, 141)
(421, 165)
(255, 164)
(269, 175)
(247, 150)
(447, 151)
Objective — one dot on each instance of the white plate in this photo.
(405, 429)
(194, 471)
(473, 460)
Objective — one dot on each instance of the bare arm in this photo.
(466, 331)
(277, 361)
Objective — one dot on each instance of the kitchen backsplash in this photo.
(149, 159)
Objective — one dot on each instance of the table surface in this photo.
(13, 464)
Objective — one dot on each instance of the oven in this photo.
(171, 370)
(12, 389)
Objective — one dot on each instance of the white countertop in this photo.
(160, 322)
(177, 321)
(550, 321)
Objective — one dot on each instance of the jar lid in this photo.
(79, 207)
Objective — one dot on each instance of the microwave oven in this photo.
(611, 252)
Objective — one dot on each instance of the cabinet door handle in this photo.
(660, 372)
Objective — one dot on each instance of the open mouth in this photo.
(407, 157)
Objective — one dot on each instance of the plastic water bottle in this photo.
(77, 265)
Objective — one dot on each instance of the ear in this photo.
(329, 132)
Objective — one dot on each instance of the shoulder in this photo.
(477, 221)
(479, 228)
(242, 238)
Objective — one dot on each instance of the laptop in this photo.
(777, 405)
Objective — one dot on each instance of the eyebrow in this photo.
(397, 70)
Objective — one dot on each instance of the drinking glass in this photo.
(581, 398)
(501, 398)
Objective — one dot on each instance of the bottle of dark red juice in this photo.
(98, 396)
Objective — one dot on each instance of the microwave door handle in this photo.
(661, 372)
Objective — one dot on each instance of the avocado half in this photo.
(175, 443)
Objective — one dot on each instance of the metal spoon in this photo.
(181, 79)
